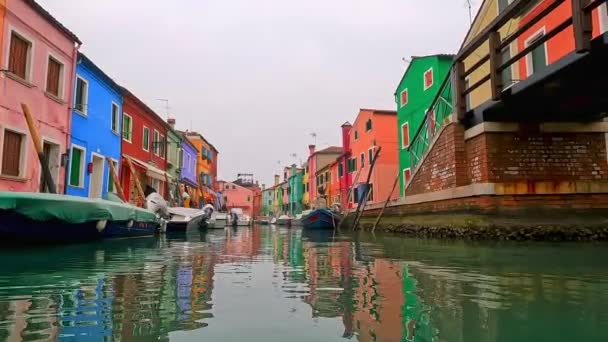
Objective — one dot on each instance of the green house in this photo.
(296, 190)
(419, 85)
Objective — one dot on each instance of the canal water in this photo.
(277, 284)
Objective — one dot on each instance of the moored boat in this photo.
(51, 217)
(284, 220)
(180, 217)
(321, 218)
(218, 220)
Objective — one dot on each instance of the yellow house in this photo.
(305, 181)
(204, 162)
(489, 10)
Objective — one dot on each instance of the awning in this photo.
(152, 171)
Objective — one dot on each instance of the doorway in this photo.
(603, 18)
(52, 157)
(96, 178)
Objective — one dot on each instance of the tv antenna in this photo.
(314, 136)
(167, 108)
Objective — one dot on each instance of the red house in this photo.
(144, 139)
(345, 178)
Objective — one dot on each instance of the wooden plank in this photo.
(476, 66)
(459, 91)
(46, 171)
(495, 62)
(582, 25)
(140, 190)
(119, 190)
(477, 84)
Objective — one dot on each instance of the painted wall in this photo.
(204, 165)
(237, 197)
(189, 162)
(267, 199)
(92, 130)
(413, 113)
(52, 115)
(384, 134)
(296, 190)
(346, 178)
(306, 185)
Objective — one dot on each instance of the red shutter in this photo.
(11, 154)
(404, 97)
(407, 174)
(52, 78)
(405, 134)
(428, 79)
(17, 62)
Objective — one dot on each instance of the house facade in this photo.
(305, 186)
(38, 68)
(373, 129)
(204, 166)
(144, 136)
(267, 200)
(96, 132)
(345, 178)
(296, 190)
(317, 160)
(236, 196)
(174, 163)
(414, 96)
(188, 178)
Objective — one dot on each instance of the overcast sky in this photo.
(256, 77)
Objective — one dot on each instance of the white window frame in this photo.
(603, 12)
(401, 97)
(155, 148)
(24, 150)
(61, 95)
(83, 112)
(511, 68)
(509, 2)
(130, 140)
(432, 78)
(30, 55)
(115, 162)
(118, 121)
(103, 158)
(82, 165)
(403, 145)
(541, 32)
(143, 130)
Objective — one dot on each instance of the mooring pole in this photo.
(119, 190)
(369, 177)
(46, 171)
(350, 189)
(386, 202)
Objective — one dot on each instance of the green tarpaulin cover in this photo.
(71, 209)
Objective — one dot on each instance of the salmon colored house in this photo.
(345, 178)
(236, 196)
(38, 56)
(558, 46)
(144, 139)
(371, 130)
(318, 160)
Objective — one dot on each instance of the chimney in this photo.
(311, 149)
(277, 179)
(263, 186)
(171, 123)
(346, 129)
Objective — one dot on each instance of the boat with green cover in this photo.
(51, 217)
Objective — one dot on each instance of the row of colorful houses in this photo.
(424, 98)
(89, 124)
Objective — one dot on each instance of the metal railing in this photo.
(440, 109)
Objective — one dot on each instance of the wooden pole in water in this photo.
(119, 190)
(46, 171)
(136, 180)
(350, 189)
(369, 177)
(386, 202)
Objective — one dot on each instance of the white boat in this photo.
(180, 217)
(273, 220)
(241, 218)
(283, 220)
(218, 220)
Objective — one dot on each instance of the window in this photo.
(405, 135)
(188, 163)
(340, 170)
(155, 146)
(111, 187)
(407, 174)
(54, 77)
(370, 193)
(20, 55)
(506, 74)
(502, 4)
(428, 79)
(210, 155)
(234, 187)
(115, 117)
(204, 153)
(370, 155)
(362, 160)
(145, 143)
(127, 127)
(404, 97)
(81, 96)
(162, 145)
(77, 167)
(13, 151)
(356, 135)
(227, 187)
(368, 125)
(537, 59)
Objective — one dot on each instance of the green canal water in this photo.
(275, 284)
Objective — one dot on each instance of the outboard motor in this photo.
(234, 218)
(157, 204)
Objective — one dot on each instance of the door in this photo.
(52, 158)
(96, 178)
(603, 18)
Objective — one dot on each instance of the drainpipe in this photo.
(70, 102)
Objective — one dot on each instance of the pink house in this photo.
(236, 196)
(37, 57)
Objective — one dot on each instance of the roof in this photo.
(380, 111)
(89, 63)
(46, 15)
(197, 134)
(127, 92)
(330, 150)
(346, 124)
(414, 58)
(185, 140)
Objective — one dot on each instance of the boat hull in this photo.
(321, 219)
(177, 226)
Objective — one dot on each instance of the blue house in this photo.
(96, 127)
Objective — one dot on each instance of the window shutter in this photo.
(52, 79)
(17, 62)
(11, 154)
(75, 167)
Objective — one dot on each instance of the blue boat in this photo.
(321, 219)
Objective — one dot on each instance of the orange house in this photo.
(558, 46)
(371, 130)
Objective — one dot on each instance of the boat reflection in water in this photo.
(277, 284)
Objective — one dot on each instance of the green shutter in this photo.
(75, 167)
(146, 142)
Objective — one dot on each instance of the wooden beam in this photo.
(140, 190)
(582, 24)
(476, 66)
(495, 62)
(44, 166)
(388, 198)
(459, 90)
(119, 190)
